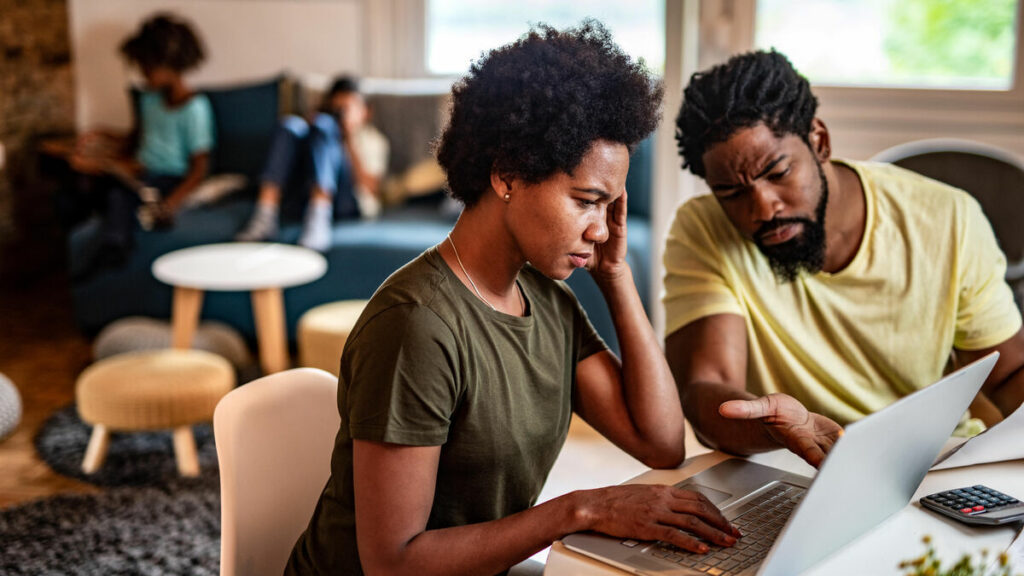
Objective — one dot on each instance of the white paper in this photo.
(1004, 441)
(1015, 553)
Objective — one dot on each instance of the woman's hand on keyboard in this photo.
(679, 517)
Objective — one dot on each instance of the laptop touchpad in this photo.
(716, 496)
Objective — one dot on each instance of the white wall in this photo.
(245, 40)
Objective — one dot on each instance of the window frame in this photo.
(728, 28)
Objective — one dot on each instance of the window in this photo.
(458, 31)
(930, 44)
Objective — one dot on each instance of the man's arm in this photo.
(708, 358)
(1005, 385)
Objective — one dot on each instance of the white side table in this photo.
(264, 269)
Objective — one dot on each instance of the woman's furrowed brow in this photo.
(595, 191)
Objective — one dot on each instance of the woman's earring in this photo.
(508, 196)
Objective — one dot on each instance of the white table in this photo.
(880, 550)
(264, 269)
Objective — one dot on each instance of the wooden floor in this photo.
(42, 352)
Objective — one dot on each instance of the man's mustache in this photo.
(776, 223)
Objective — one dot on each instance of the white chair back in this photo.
(275, 436)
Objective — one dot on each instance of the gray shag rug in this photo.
(161, 530)
(138, 458)
(148, 520)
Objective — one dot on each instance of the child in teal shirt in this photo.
(167, 154)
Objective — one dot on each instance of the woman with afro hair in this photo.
(458, 382)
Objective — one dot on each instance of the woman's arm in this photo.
(635, 403)
(394, 492)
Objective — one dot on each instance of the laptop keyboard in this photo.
(761, 519)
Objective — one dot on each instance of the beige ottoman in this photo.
(152, 390)
(322, 333)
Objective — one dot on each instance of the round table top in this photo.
(240, 266)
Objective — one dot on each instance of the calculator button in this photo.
(978, 508)
(966, 510)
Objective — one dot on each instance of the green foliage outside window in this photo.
(952, 38)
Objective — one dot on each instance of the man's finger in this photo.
(809, 450)
(747, 409)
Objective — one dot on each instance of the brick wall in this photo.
(36, 100)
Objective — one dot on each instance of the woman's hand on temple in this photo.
(609, 261)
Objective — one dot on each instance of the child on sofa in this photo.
(337, 155)
(166, 155)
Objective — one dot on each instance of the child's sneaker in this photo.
(262, 225)
(316, 231)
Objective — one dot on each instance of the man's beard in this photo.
(803, 252)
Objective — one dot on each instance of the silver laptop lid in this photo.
(874, 470)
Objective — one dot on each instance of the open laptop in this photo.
(789, 522)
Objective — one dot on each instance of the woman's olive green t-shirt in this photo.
(429, 364)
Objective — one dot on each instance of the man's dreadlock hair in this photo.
(164, 40)
(752, 88)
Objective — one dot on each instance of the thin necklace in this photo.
(522, 302)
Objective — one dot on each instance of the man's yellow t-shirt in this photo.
(927, 277)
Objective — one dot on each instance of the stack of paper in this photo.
(1004, 441)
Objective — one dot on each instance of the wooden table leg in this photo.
(185, 451)
(268, 310)
(96, 452)
(185, 316)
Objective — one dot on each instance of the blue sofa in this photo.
(362, 255)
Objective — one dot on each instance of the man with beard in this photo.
(806, 292)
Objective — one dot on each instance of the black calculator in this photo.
(978, 505)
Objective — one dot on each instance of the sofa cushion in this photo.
(245, 117)
(640, 179)
(363, 254)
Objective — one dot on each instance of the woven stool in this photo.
(152, 390)
(10, 407)
(322, 333)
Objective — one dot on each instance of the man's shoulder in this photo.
(703, 216)
(901, 185)
(702, 208)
